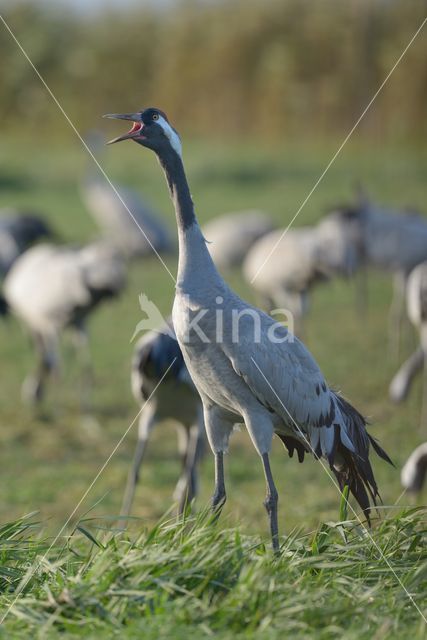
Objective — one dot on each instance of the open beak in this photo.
(134, 132)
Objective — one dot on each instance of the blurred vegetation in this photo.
(264, 68)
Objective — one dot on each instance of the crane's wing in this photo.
(285, 378)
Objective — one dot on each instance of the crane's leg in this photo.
(146, 424)
(361, 291)
(270, 503)
(34, 384)
(219, 497)
(187, 486)
(218, 431)
(396, 313)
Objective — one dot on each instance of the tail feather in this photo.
(379, 450)
(347, 451)
(354, 468)
(360, 481)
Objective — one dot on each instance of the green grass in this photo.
(194, 577)
(48, 459)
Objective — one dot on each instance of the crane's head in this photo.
(151, 128)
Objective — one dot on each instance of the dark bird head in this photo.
(151, 129)
(30, 228)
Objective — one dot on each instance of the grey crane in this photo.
(283, 278)
(265, 379)
(414, 471)
(127, 221)
(18, 231)
(157, 357)
(50, 288)
(305, 256)
(231, 235)
(389, 240)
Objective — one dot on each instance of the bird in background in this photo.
(272, 386)
(163, 387)
(416, 305)
(386, 239)
(231, 235)
(414, 470)
(54, 288)
(284, 265)
(18, 231)
(126, 220)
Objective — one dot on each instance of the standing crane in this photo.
(157, 357)
(231, 235)
(265, 379)
(18, 231)
(51, 288)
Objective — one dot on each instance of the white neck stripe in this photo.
(171, 134)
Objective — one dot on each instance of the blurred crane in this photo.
(231, 235)
(135, 235)
(414, 471)
(302, 258)
(387, 239)
(18, 231)
(416, 303)
(157, 353)
(50, 288)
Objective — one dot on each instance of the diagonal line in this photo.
(340, 148)
(62, 110)
(351, 508)
(31, 571)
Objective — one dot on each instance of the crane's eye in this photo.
(156, 116)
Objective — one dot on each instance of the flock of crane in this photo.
(207, 388)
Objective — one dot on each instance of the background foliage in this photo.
(240, 67)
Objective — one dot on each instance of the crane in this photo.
(416, 303)
(128, 221)
(157, 357)
(18, 231)
(50, 288)
(414, 471)
(389, 240)
(262, 376)
(307, 255)
(231, 235)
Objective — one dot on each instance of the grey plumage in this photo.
(386, 239)
(416, 304)
(128, 221)
(414, 471)
(51, 288)
(270, 387)
(284, 265)
(231, 235)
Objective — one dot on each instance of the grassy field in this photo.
(48, 460)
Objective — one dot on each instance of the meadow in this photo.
(168, 580)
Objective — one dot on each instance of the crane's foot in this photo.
(270, 505)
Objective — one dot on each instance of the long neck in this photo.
(178, 188)
(194, 259)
